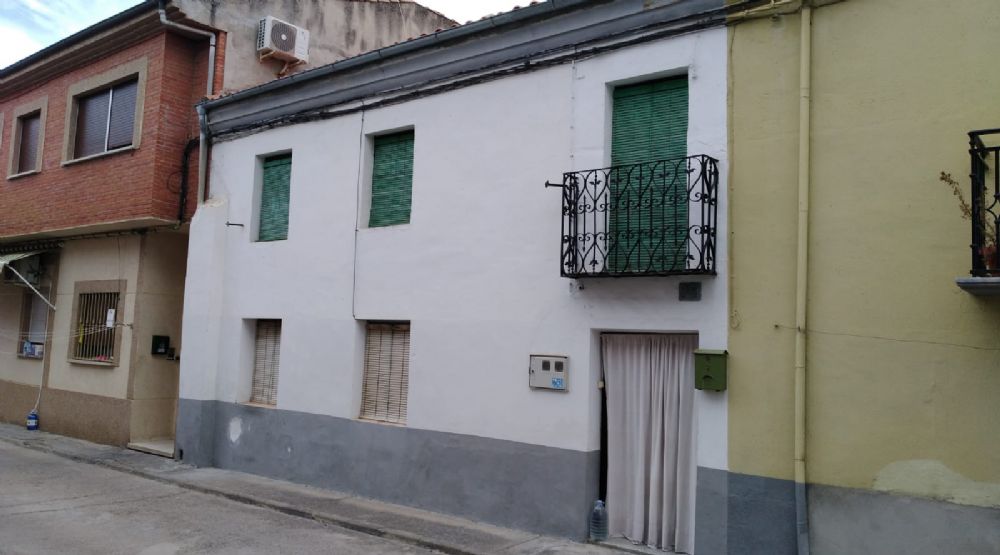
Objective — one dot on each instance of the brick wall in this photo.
(126, 186)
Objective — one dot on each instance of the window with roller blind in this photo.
(387, 372)
(266, 360)
(392, 179)
(649, 215)
(27, 137)
(29, 131)
(275, 184)
(105, 120)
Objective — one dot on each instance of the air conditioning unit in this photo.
(281, 40)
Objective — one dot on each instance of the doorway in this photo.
(648, 438)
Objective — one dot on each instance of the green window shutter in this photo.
(274, 198)
(392, 179)
(648, 223)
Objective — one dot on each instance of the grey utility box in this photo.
(548, 372)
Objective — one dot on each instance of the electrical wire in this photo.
(362, 156)
(88, 330)
(893, 339)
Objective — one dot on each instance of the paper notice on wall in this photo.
(110, 322)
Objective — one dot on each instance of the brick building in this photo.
(99, 139)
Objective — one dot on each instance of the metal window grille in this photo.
(267, 358)
(95, 339)
(387, 373)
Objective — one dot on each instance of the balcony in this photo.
(649, 219)
(983, 210)
(985, 203)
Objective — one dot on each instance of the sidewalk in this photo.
(414, 526)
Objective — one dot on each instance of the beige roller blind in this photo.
(387, 372)
(267, 357)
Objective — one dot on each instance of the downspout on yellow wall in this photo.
(802, 282)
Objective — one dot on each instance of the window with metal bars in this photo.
(106, 120)
(387, 372)
(96, 327)
(266, 360)
(29, 131)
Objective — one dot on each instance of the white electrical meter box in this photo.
(548, 372)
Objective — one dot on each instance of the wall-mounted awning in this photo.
(6, 259)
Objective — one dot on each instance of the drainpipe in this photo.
(202, 152)
(203, 139)
(801, 283)
(182, 202)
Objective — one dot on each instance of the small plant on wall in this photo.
(989, 249)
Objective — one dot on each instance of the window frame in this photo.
(369, 175)
(134, 70)
(28, 298)
(41, 107)
(373, 417)
(98, 286)
(669, 248)
(255, 336)
(258, 195)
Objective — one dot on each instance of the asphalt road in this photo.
(49, 504)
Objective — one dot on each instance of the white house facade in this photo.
(383, 297)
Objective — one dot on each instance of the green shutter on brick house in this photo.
(649, 219)
(274, 198)
(392, 179)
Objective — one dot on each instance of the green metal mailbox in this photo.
(710, 369)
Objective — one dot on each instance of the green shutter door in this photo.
(274, 198)
(392, 179)
(649, 218)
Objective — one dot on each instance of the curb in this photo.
(403, 537)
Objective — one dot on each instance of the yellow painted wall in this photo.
(159, 303)
(114, 258)
(903, 367)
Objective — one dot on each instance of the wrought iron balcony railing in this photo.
(985, 202)
(649, 219)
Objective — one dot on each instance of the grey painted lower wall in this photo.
(711, 512)
(194, 441)
(530, 487)
(860, 522)
(760, 515)
(760, 519)
(550, 491)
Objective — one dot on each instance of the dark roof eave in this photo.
(462, 31)
(93, 30)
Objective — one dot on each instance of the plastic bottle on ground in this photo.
(599, 522)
